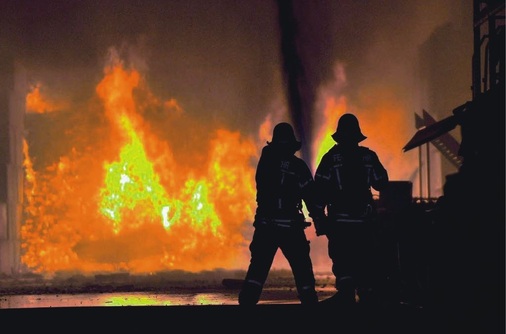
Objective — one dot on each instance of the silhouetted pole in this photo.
(427, 146)
(420, 164)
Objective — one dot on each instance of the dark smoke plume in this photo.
(299, 96)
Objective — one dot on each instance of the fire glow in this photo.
(149, 213)
(131, 201)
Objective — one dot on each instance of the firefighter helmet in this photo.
(348, 129)
(283, 135)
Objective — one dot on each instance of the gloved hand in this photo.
(320, 225)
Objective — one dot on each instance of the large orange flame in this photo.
(151, 196)
(129, 205)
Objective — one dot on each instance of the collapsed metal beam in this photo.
(434, 130)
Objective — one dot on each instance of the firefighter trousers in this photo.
(294, 245)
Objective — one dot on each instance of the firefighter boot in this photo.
(308, 296)
(367, 297)
(250, 293)
(345, 295)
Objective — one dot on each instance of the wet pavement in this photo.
(271, 296)
(198, 313)
(200, 304)
(195, 306)
(161, 289)
(115, 299)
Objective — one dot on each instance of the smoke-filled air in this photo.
(145, 119)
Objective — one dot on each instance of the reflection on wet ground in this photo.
(207, 304)
(114, 299)
(163, 289)
(278, 310)
(270, 296)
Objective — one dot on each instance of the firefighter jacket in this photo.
(343, 180)
(283, 181)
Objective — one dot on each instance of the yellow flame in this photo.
(132, 185)
(334, 108)
(140, 211)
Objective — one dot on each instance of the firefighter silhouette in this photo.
(283, 181)
(343, 181)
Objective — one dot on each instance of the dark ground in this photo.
(385, 317)
(216, 318)
(267, 318)
(263, 318)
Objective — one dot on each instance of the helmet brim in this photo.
(340, 137)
